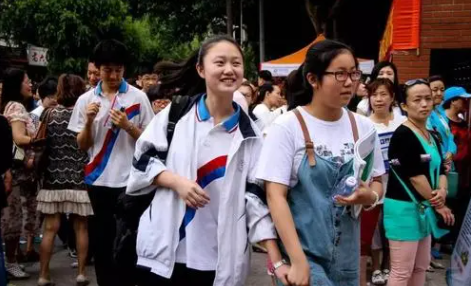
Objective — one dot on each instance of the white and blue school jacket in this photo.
(243, 217)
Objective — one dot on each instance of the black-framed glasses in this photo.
(342, 76)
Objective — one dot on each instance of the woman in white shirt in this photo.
(268, 109)
(381, 101)
(321, 237)
(383, 70)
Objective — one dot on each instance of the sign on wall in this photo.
(37, 56)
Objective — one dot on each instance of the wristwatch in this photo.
(278, 264)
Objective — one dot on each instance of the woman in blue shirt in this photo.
(438, 122)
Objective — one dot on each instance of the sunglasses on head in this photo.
(410, 83)
(413, 82)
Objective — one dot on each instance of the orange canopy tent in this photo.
(283, 66)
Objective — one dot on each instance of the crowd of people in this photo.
(170, 179)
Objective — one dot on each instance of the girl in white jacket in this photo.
(208, 206)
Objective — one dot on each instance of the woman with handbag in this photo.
(63, 189)
(373, 242)
(456, 102)
(416, 190)
(17, 99)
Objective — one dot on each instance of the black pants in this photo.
(181, 276)
(103, 233)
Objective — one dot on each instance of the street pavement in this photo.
(64, 275)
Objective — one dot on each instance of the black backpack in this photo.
(130, 208)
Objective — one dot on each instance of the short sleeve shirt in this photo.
(112, 151)
(284, 146)
(406, 149)
(15, 111)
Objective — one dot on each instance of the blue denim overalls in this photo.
(329, 236)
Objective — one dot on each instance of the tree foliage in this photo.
(152, 29)
(68, 28)
(184, 18)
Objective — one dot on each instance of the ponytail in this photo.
(264, 89)
(181, 76)
(298, 91)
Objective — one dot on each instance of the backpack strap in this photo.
(353, 122)
(178, 108)
(307, 139)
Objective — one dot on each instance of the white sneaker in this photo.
(386, 275)
(81, 280)
(377, 278)
(14, 270)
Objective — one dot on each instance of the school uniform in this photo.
(107, 172)
(214, 240)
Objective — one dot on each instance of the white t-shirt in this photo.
(38, 111)
(113, 149)
(266, 116)
(36, 115)
(284, 147)
(385, 133)
(198, 247)
(364, 107)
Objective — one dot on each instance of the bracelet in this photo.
(279, 264)
(375, 203)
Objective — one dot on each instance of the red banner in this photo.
(403, 28)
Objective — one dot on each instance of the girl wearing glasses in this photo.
(320, 237)
(416, 188)
(17, 102)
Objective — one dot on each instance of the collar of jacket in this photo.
(245, 126)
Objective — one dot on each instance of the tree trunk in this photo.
(323, 15)
(230, 19)
(311, 9)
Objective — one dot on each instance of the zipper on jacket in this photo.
(150, 211)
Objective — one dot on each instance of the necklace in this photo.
(425, 134)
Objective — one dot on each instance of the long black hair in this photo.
(318, 58)
(397, 89)
(12, 83)
(183, 76)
